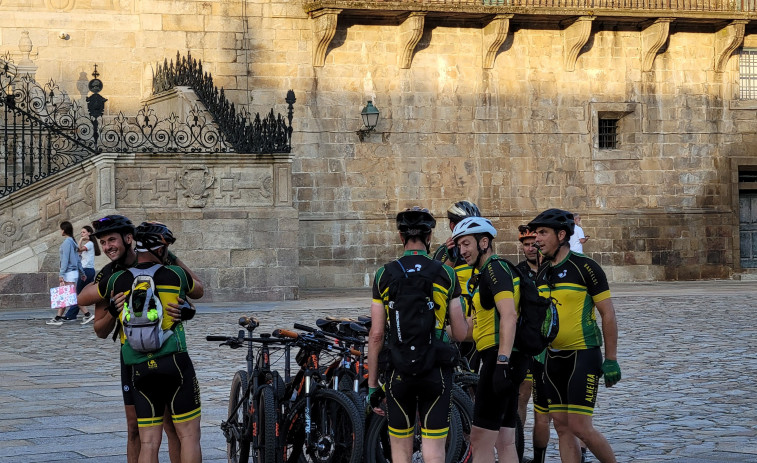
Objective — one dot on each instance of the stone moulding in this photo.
(575, 37)
(494, 35)
(653, 38)
(410, 34)
(323, 23)
(727, 40)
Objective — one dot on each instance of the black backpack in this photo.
(412, 317)
(538, 322)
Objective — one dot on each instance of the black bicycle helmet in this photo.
(112, 224)
(557, 219)
(152, 235)
(462, 210)
(415, 221)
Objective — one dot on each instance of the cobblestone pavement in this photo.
(687, 352)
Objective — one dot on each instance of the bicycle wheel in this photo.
(237, 432)
(336, 430)
(464, 405)
(377, 447)
(267, 427)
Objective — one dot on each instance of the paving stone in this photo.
(687, 352)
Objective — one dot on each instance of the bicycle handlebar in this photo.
(216, 338)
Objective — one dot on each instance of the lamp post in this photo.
(370, 115)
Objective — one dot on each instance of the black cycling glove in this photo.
(501, 382)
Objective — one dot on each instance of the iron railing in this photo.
(43, 132)
(247, 134)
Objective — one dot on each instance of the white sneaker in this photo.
(55, 321)
(87, 319)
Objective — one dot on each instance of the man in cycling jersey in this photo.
(574, 363)
(535, 378)
(115, 234)
(448, 254)
(495, 296)
(428, 393)
(165, 377)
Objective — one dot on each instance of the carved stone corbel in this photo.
(727, 40)
(653, 38)
(410, 34)
(323, 23)
(494, 35)
(575, 37)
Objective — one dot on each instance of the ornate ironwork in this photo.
(247, 134)
(43, 132)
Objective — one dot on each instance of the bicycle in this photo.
(320, 424)
(253, 414)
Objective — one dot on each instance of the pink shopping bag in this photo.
(62, 296)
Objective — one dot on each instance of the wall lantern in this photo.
(370, 115)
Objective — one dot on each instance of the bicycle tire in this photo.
(464, 404)
(335, 424)
(377, 448)
(238, 450)
(267, 450)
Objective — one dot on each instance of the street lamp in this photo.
(370, 115)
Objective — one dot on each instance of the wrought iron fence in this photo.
(42, 131)
(247, 134)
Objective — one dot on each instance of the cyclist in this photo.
(574, 362)
(495, 295)
(430, 392)
(535, 377)
(448, 254)
(166, 376)
(116, 235)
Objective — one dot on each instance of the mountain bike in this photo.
(320, 424)
(253, 414)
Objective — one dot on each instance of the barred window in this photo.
(608, 134)
(748, 74)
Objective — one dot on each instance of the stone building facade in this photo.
(506, 104)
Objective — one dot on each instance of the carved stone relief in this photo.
(196, 182)
(60, 5)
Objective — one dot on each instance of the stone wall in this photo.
(516, 139)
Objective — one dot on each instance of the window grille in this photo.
(748, 74)
(608, 134)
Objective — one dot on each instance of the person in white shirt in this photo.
(578, 239)
(87, 248)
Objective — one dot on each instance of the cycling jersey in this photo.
(526, 270)
(495, 282)
(446, 287)
(577, 284)
(171, 282)
(462, 269)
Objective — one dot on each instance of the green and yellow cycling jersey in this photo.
(577, 284)
(495, 282)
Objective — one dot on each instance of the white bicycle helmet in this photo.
(474, 226)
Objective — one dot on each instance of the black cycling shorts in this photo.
(127, 386)
(490, 410)
(572, 379)
(166, 381)
(539, 391)
(430, 395)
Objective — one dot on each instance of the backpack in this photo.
(142, 315)
(538, 322)
(412, 317)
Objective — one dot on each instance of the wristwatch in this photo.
(503, 359)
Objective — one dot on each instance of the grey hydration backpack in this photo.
(142, 315)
